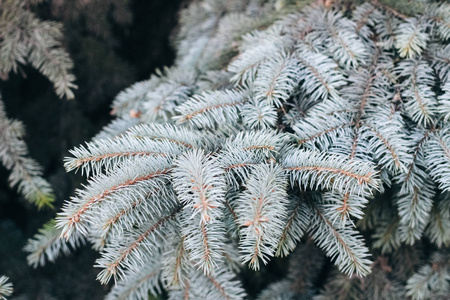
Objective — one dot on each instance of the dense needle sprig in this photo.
(277, 128)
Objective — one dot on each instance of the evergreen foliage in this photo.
(278, 128)
(26, 174)
(25, 39)
(6, 288)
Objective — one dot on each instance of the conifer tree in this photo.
(282, 128)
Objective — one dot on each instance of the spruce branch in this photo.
(25, 38)
(139, 285)
(98, 156)
(259, 115)
(264, 143)
(296, 222)
(339, 37)
(341, 287)
(139, 175)
(258, 46)
(342, 208)
(238, 164)
(173, 134)
(387, 235)
(439, 14)
(117, 127)
(221, 285)
(414, 211)
(47, 245)
(444, 102)
(437, 157)
(319, 74)
(421, 102)
(415, 198)
(276, 79)
(411, 38)
(26, 174)
(321, 133)
(133, 247)
(130, 98)
(6, 288)
(124, 215)
(432, 280)
(176, 263)
(312, 169)
(261, 210)
(387, 144)
(344, 245)
(203, 241)
(161, 102)
(51, 60)
(440, 55)
(211, 108)
(280, 290)
(415, 170)
(200, 186)
(438, 229)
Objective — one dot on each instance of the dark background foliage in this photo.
(113, 44)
